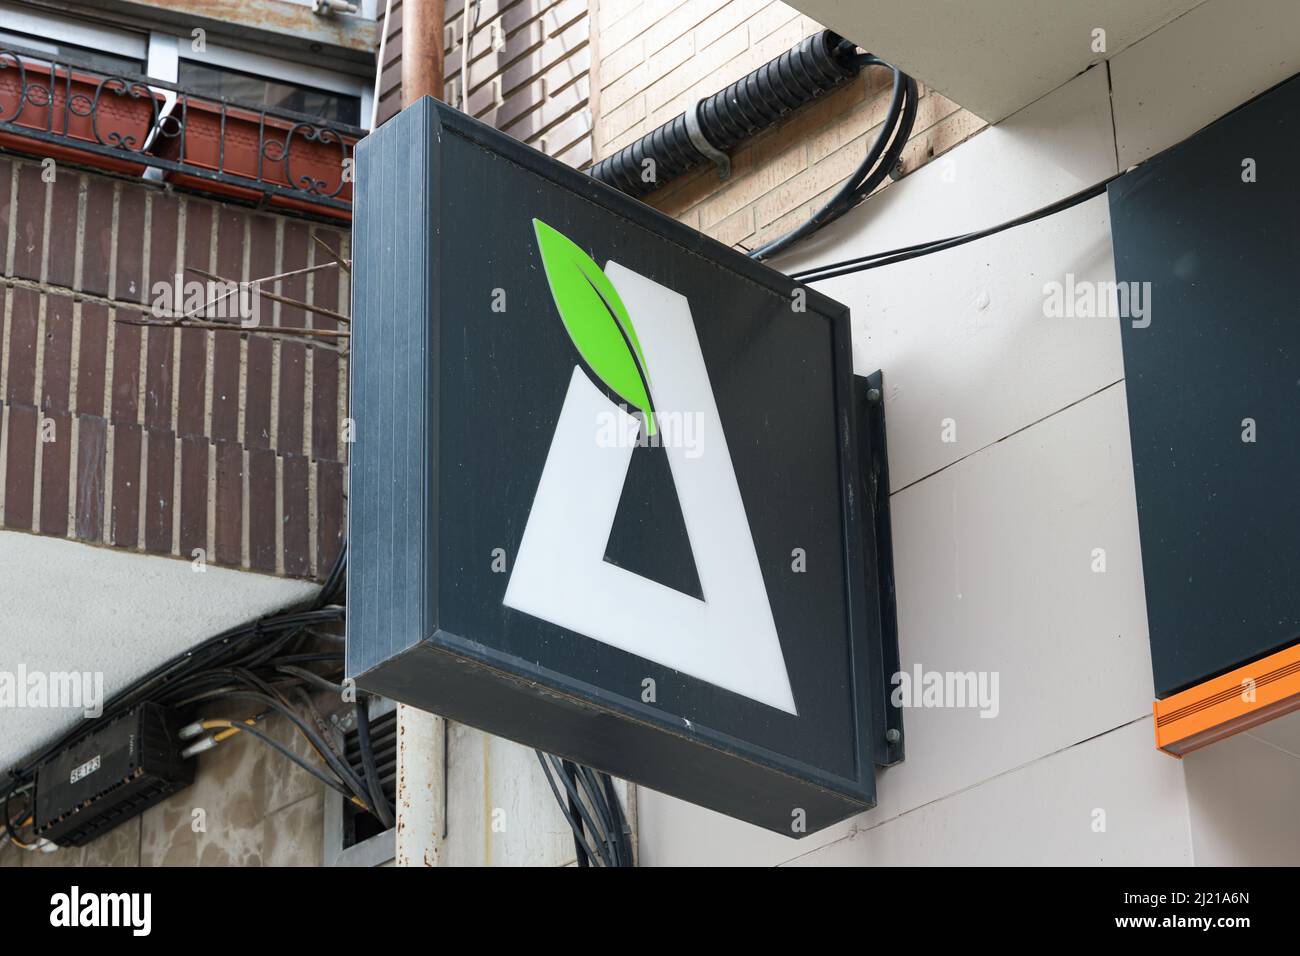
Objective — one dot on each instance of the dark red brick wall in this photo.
(165, 440)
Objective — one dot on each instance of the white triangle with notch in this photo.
(728, 639)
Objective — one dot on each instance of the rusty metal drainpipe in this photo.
(422, 53)
(421, 737)
(421, 787)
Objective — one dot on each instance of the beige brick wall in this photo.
(657, 57)
(529, 66)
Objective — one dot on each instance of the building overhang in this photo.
(995, 56)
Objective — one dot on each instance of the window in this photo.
(74, 55)
(219, 71)
(217, 82)
(166, 123)
(77, 42)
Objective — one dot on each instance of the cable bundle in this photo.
(881, 159)
(876, 259)
(811, 69)
(592, 810)
(270, 663)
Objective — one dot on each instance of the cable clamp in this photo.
(693, 130)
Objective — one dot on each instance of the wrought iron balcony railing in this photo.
(131, 122)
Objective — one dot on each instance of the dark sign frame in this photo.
(399, 642)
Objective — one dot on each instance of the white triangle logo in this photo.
(727, 639)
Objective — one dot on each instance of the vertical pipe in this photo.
(421, 787)
(421, 741)
(379, 65)
(466, 35)
(422, 53)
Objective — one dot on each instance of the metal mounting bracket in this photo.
(873, 459)
(696, 133)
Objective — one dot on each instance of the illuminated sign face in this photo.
(619, 512)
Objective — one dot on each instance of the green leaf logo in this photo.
(595, 319)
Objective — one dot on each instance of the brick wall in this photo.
(658, 57)
(158, 439)
(535, 86)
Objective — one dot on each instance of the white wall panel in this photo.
(1241, 794)
(1044, 813)
(961, 335)
(993, 560)
(675, 833)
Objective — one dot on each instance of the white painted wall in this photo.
(66, 606)
(994, 533)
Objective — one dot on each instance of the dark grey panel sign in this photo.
(606, 489)
(1213, 380)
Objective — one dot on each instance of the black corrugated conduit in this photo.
(752, 103)
(703, 134)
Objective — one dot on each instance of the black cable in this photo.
(336, 656)
(212, 651)
(270, 649)
(9, 826)
(378, 800)
(336, 578)
(815, 67)
(337, 639)
(582, 810)
(877, 259)
(344, 772)
(575, 825)
(620, 821)
(583, 859)
(316, 680)
(164, 680)
(610, 832)
(289, 754)
(880, 159)
(236, 652)
(597, 800)
(206, 672)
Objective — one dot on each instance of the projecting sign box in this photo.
(1213, 388)
(615, 492)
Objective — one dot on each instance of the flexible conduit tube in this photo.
(819, 64)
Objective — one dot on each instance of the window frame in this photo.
(127, 43)
(160, 54)
(269, 68)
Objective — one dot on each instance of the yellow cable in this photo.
(232, 730)
(19, 843)
(225, 734)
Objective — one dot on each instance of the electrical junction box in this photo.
(615, 492)
(107, 778)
